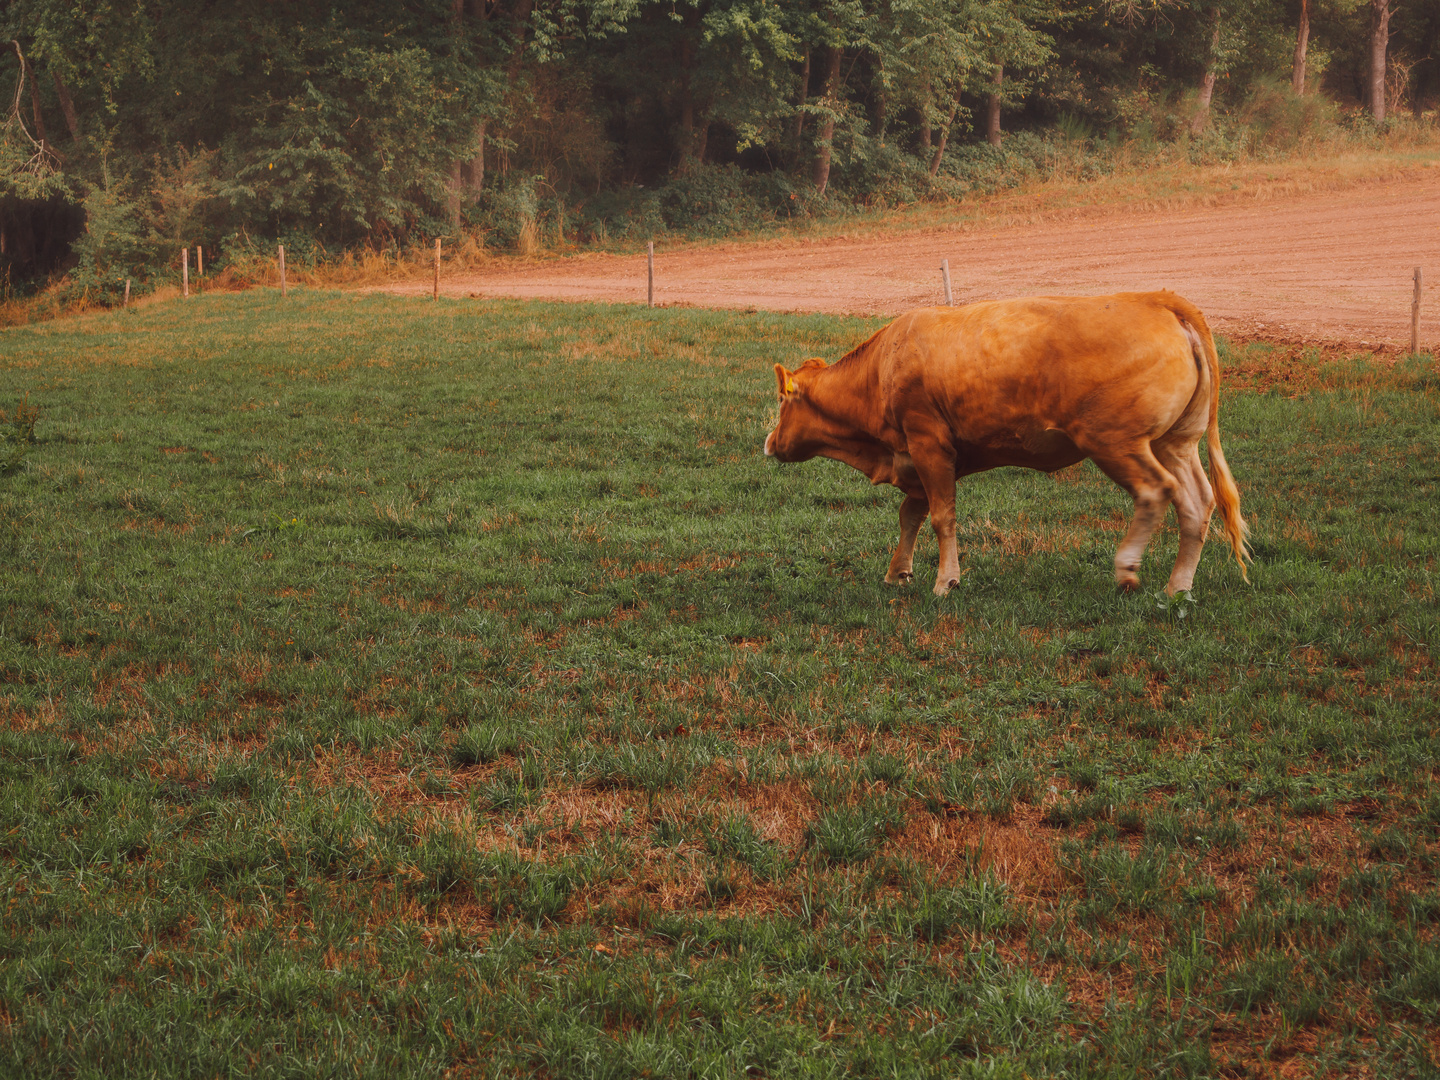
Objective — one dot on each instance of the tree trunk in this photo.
(1379, 43)
(519, 16)
(804, 97)
(1302, 40)
(453, 187)
(687, 104)
(456, 184)
(945, 136)
(992, 108)
(827, 126)
(477, 163)
(880, 117)
(925, 135)
(67, 107)
(35, 104)
(702, 140)
(1207, 83)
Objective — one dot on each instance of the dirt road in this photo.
(1333, 267)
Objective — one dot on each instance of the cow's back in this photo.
(1097, 369)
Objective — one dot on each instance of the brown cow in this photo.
(1130, 381)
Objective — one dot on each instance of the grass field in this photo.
(415, 689)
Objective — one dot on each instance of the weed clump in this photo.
(17, 434)
(483, 743)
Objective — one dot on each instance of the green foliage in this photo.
(361, 150)
(736, 837)
(1273, 116)
(1119, 880)
(1175, 608)
(529, 125)
(115, 245)
(991, 791)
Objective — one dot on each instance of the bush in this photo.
(719, 200)
(1276, 118)
(510, 214)
(707, 201)
(114, 246)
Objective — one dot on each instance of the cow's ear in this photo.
(786, 383)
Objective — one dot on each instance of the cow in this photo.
(1130, 381)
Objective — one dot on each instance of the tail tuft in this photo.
(1227, 499)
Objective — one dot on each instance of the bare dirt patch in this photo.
(1294, 264)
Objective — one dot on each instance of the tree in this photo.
(932, 47)
(1207, 81)
(28, 167)
(833, 27)
(1379, 45)
(733, 71)
(1302, 42)
(1013, 41)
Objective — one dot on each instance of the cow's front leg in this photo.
(936, 466)
(912, 515)
(943, 519)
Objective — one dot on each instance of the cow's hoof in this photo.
(1128, 584)
(944, 587)
(905, 577)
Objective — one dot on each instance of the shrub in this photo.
(114, 246)
(17, 434)
(1275, 117)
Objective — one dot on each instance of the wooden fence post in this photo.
(127, 293)
(282, 269)
(185, 271)
(199, 266)
(437, 269)
(650, 261)
(1415, 316)
(945, 273)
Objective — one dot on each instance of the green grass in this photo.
(399, 688)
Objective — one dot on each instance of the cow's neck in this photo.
(846, 395)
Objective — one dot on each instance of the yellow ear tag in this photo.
(790, 386)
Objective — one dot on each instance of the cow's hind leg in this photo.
(1153, 488)
(1194, 503)
(912, 515)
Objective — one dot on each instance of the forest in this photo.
(133, 128)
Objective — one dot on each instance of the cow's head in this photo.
(794, 436)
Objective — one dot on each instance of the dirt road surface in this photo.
(1335, 267)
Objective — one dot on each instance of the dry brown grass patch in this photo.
(1021, 853)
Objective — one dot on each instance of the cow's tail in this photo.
(1227, 494)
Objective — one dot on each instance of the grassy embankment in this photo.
(388, 688)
